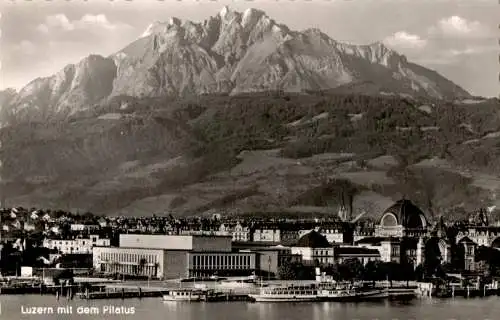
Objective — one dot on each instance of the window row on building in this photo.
(223, 261)
(124, 257)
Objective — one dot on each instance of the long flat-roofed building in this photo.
(177, 242)
(174, 256)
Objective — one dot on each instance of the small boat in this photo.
(208, 279)
(183, 295)
(308, 293)
(214, 296)
(236, 284)
(241, 283)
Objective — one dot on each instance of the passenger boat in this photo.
(351, 293)
(292, 293)
(184, 295)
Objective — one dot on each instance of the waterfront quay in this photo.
(458, 308)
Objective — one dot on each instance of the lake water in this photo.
(154, 308)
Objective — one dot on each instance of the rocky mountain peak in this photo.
(174, 21)
(231, 52)
(226, 12)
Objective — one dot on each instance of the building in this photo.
(469, 253)
(314, 249)
(239, 231)
(364, 255)
(132, 261)
(89, 228)
(402, 219)
(480, 231)
(79, 245)
(389, 248)
(276, 232)
(174, 256)
(266, 234)
(403, 235)
(205, 264)
(194, 242)
(270, 259)
(334, 234)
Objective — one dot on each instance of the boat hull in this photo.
(284, 298)
(356, 297)
(237, 285)
(182, 299)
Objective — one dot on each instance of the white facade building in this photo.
(84, 227)
(76, 245)
(313, 247)
(267, 235)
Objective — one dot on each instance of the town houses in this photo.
(235, 245)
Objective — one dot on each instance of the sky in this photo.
(457, 38)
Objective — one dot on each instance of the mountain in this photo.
(241, 114)
(231, 53)
(6, 97)
(258, 152)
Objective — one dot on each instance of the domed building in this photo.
(400, 234)
(313, 246)
(313, 239)
(402, 219)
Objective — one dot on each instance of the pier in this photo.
(127, 292)
(430, 290)
(121, 294)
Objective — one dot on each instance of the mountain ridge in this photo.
(231, 52)
(238, 113)
(257, 152)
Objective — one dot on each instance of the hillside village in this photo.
(402, 239)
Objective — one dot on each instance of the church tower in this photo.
(345, 211)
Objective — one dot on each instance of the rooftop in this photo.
(356, 251)
(313, 239)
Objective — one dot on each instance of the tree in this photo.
(351, 269)
(303, 272)
(447, 268)
(419, 273)
(432, 259)
(333, 271)
(390, 271)
(406, 270)
(374, 271)
(286, 271)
